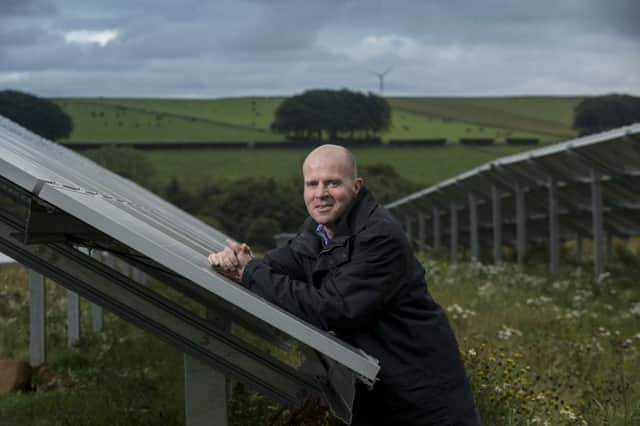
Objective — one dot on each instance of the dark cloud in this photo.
(241, 47)
(26, 8)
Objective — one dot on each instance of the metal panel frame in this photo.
(614, 154)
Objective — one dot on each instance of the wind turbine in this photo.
(380, 76)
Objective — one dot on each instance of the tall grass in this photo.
(540, 350)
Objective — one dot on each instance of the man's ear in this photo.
(357, 184)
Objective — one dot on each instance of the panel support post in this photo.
(497, 225)
(453, 248)
(37, 320)
(521, 225)
(554, 227)
(473, 223)
(436, 229)
(73, 319)
(206, 391)
(422, 235)
(598, 237)
(97, 313)
(409, 228)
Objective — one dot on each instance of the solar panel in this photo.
(614, 155)
(5, 259)
(54, 202)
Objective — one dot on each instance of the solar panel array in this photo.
(557, 185)
(54, 202)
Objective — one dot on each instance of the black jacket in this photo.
(367, 286)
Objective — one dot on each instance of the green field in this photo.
(539, 350)
(248, 119)
(422, 165)
(552, 116)
(119, 121)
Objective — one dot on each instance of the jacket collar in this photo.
(350, 223)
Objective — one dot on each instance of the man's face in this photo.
(329, 189)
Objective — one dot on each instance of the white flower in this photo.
(635, 310)
(568, 413)
(507, 332)
(539, 301)
(486, 289)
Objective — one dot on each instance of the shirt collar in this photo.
(322, 233)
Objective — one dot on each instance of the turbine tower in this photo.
(380, 76)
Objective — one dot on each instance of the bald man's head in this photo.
(335, 153)
(331, 184)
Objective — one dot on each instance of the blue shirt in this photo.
(322, 233)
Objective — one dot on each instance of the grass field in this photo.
(421, 165)
(539, 351)
(130, 121)
(249, 119)
(544, 115)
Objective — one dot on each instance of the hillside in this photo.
(248, 119)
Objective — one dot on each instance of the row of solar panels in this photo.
(54, 201)
(612, 158)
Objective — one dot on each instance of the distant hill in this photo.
(248, 119)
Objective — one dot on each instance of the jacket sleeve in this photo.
(350, 295)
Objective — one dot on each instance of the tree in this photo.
(602, 113)
(39, 115)
(334, 113)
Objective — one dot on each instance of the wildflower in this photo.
(472, 352)
(486, 290)
(602, 278)
(506, 332)
(539, 301)
(560, 285)
(458, 312)
(568, 413)
(635, 310)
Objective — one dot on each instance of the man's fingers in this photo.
(231, 255)
(213, 259)
(234, 246)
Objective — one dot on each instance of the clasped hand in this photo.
(231, 261)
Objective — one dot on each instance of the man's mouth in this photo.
(324, 207)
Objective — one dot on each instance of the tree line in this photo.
(334, 114)
(600, 113)
(39, 115)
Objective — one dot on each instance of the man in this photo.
(352, 271)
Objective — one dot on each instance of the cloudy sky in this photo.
(192, 48)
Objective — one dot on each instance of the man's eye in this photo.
(334, 183)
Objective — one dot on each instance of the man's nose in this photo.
(321, 191)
